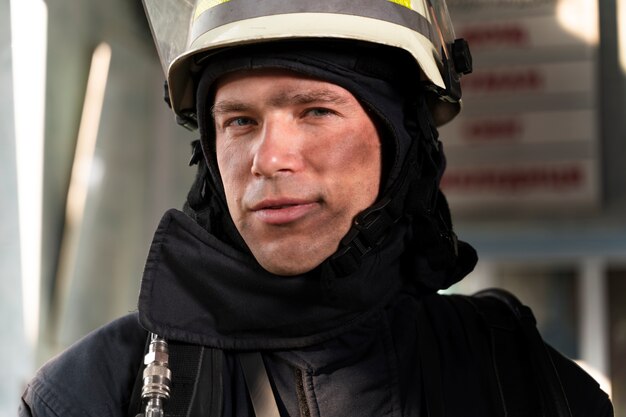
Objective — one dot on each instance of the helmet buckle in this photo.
(461, 56)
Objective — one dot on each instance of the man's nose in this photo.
(278, 149)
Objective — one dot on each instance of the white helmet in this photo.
(184, 29)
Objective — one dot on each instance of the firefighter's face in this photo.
(299, 159)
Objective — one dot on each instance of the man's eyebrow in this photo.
(324, 96)
(281, 99)
(228, 106)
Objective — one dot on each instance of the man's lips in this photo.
(282, 211)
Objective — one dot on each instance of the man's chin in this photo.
(289, 266)
(288, 270)
(289, 257)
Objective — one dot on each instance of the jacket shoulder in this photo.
(585, 398)
(517, 348)
(93, 377)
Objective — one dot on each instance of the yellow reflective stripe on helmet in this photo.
(215, 15)
(416, 5)
(405, 3)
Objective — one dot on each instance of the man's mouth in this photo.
(283, 211)
(280, 206)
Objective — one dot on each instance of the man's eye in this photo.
(319, 112)
(239, 122)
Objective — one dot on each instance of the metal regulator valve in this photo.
(157, 377)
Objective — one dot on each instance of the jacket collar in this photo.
(197, 289)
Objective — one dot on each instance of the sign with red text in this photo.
(527, 138)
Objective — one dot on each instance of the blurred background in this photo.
(90, 158)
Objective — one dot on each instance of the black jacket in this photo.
(372, 345)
